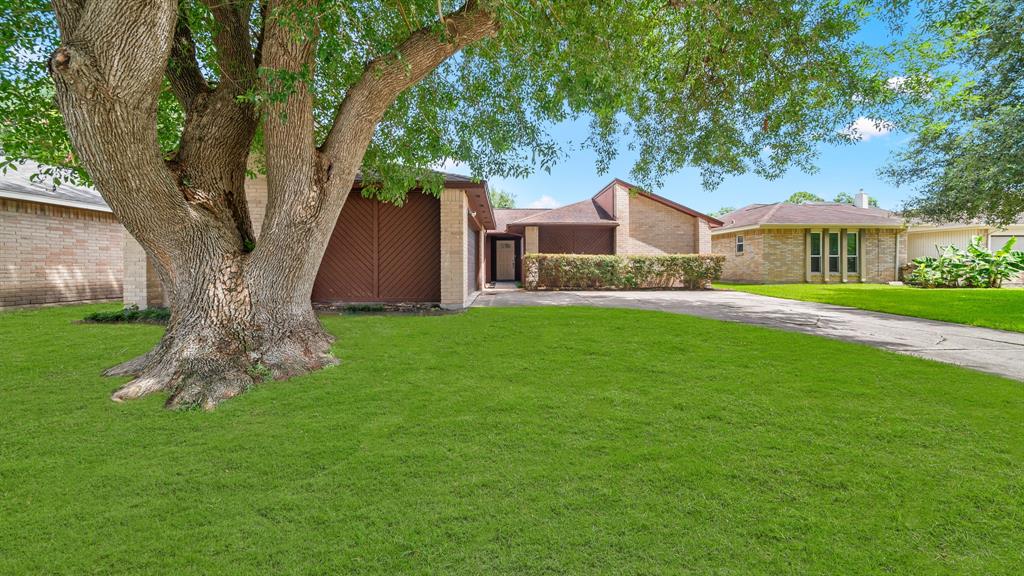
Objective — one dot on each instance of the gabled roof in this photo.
(809, 214)
(17, 184)
(665, 201)
(586, 212)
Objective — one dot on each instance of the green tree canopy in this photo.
(964, 91)
(502, 199)
(721, 211)
(728, 88)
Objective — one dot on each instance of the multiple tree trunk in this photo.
(240, 306)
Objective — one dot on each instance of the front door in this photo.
(505, 256)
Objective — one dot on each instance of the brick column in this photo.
(620, 195)
(702, 237)
(454, 208)
(807, 255)
(842, 255)
(825, 246)
(141, 284)
(532, 245)
(860, 256)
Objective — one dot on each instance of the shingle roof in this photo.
(812, 213)
(586, 212)
(17, 183)
(504, 216)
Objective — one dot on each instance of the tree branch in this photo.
(387, 77)
(234, 45)
(183, 73)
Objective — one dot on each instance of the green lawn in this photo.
(514, 441)
(1001, 308)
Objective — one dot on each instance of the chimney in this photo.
(861, 200)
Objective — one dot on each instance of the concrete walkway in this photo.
(984, 349)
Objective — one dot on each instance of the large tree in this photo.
(963, 83)
(169, 103)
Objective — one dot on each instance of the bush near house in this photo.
(611, 272)
(972, 267)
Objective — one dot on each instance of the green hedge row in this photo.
(610, 272)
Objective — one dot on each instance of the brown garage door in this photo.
(576, 240)
(380, 252)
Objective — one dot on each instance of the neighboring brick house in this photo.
(813, 242)
(58, 244)
(619, 219)
(429, 250)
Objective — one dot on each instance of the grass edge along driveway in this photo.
(1000, 308)
(513, 441)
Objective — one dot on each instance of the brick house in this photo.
(813, 242)
(58, 244)
(429, 250)
(619, 219)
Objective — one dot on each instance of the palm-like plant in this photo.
(973, 267)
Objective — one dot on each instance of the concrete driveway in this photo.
(984, 349)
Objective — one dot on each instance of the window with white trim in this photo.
(833, 252)
(852, 254)
(739, 244)
(816, 252)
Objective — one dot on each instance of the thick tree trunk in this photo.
(229, 329)
(240, 306)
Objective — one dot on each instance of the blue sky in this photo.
(845, 168)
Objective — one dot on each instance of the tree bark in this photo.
(240, 306)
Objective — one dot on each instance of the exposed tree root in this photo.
(203, 378)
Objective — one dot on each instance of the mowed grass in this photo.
(1001, 308)
(514, 441)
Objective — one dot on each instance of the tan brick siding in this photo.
(745, 267)
(256, 197)
(657, 229)
(879, 249)
(54, 254)
(776, 256)
(784, 255)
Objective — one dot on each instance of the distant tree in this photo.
(803, 197)
(502, 199)
(843, 198)
(847, 198)
(721, 211)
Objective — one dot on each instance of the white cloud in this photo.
(865, 129)
(452, 166)
(545, 201)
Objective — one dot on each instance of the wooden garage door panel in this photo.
(380, 252)
(410, 250)
(347, 269)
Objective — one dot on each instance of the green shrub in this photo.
(972, 267)
(131, 314)
(611, 272)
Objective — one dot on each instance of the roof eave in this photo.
(54, 201)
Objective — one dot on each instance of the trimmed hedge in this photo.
(611, 272)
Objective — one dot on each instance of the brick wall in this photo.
(745, 267)
(879, 248)
(657, 229)
(784, 255)
(775, 256)
(55, 254)
(454, 255)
